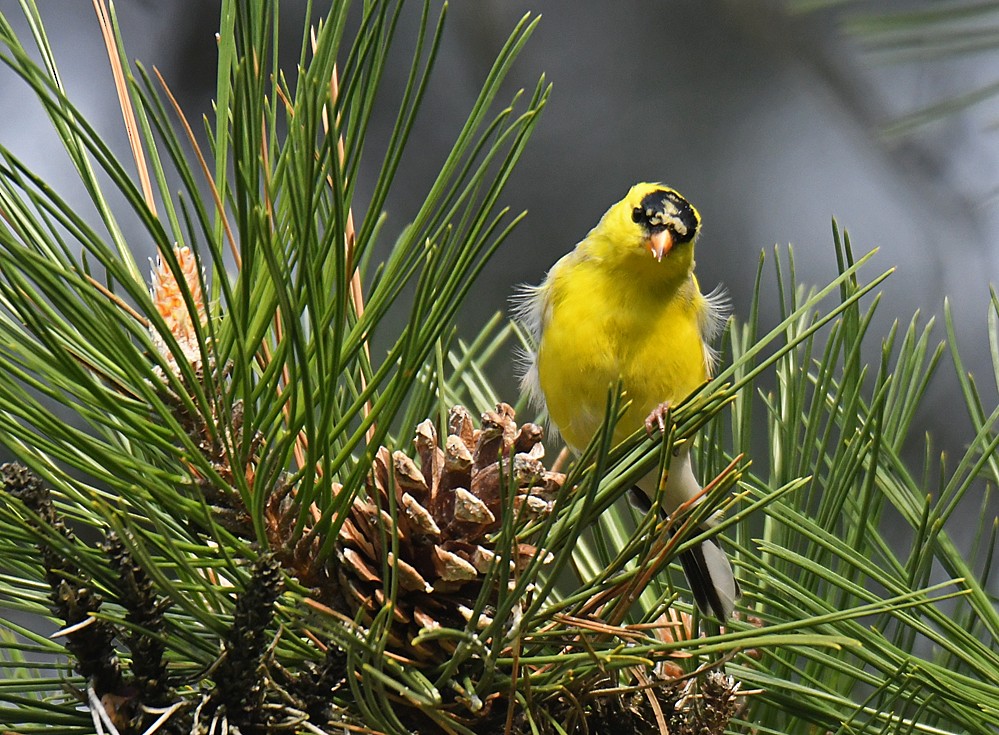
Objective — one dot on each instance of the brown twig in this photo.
(118, 301)
(653, 702)
(219, 206)
(125, 102)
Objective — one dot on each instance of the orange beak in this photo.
(659, 244)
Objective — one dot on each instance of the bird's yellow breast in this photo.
(608, 324)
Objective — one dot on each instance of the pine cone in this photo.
(448, 505)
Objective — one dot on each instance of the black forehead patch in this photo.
(664, 208)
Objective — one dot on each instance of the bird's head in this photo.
(663, 218)
(652, 221)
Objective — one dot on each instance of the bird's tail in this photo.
(707, 569)
(712, 582)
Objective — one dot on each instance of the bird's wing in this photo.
(711, 319)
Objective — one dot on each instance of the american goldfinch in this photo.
(625, 306)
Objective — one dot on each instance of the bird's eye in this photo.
(637, 214)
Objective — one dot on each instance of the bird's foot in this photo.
(657, 419)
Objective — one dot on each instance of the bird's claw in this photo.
(657, 419)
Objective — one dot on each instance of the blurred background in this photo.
(771, 117)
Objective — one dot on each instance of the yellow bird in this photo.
(625, 306)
